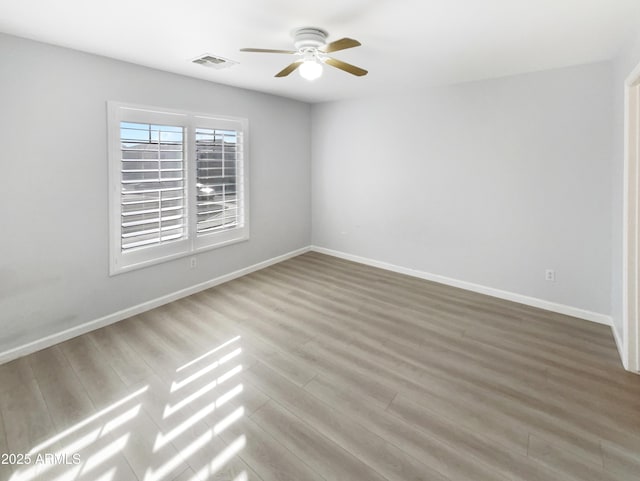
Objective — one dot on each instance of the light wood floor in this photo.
(322, 369)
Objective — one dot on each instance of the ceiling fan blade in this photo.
(265, 50)
(341, 44)
(347, 67)
(288, 69)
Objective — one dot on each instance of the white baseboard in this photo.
(469, 286)
(75, 331)
(621, 350)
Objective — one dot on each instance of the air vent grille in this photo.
(214, 61)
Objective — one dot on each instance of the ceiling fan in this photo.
(312, 48)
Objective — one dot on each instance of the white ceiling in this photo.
(406, 43)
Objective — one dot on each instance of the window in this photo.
(178, 184)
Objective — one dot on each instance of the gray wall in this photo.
(53, 185)
(622, 68)
(487, 182)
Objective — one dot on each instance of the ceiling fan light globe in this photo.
(310, 70)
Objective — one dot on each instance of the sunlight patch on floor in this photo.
(124, 431)
(175, 386)
(229, 395)
(57, 452)
(197, 380)
(86, 422)
(213, 351)
(228, 420)
(207, 472)
(161, 472)
(104, 454)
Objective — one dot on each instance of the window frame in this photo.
(137, 258)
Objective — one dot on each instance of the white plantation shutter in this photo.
(220, 180)
(153, 181)
(177, 184)
(219, 175)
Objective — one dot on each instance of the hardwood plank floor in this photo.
(319, 369)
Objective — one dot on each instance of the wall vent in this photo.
(214, 61)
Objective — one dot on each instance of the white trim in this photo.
(619, 345)
(469, 286)
(53, 339)
(191, 243)
(628, 344)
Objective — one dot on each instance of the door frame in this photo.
(631, 225)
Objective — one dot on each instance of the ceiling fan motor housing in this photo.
(309, 38)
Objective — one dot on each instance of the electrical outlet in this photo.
(550, 275)
(192, 263)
